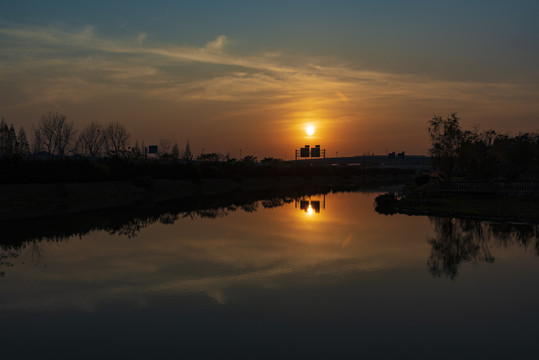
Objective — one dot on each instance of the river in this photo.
(319, 276)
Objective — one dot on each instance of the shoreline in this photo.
(501, 208)
(25, 201)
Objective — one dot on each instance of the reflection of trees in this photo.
(19, 235)
(130, 228)
(276, 202)
(465, 240)
(6, 255)
(9, 252)
(522, 234)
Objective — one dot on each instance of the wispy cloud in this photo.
(217, 44)
(51, 64)
(141, 37)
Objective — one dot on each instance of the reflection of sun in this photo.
(309, 130)
(310, 210)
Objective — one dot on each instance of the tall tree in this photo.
(187, 155)
(24, 146)
(164, 146)
(445, 135)
(136, 151)
(54, 133)
(176, 151)
(8, 138)
(12, 143)
(92, 138)
(4, 130)
(117, 138)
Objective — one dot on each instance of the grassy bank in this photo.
(19, 201)
(473, 205)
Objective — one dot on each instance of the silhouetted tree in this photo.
(3, 134)
(164, 146)
(136, 151)
(176, 151)
(24, 146)
(54, 133)
(92, 138)
(12, 141)
(116, 138)
(187, 155)
(209, 157)
(36, 144)
(9, 143)
(251, 159)
(445, 135)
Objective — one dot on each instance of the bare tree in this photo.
(92, 138)
(54, 133)
(117, 138)
(36, 144)
(164, 146)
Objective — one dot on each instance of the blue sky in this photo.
(361, 71)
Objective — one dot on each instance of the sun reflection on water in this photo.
(310, 207)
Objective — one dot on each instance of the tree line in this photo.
(482, 155)
(56, 136)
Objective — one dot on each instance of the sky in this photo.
(252, 75)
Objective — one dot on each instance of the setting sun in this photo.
(309, 130)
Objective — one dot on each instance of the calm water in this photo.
(326, 278)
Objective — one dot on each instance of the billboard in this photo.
(152, 149)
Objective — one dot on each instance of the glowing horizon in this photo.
(223, 88)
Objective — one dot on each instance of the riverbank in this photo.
(19, 201)
(499, 207)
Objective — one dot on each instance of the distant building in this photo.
(393, 155)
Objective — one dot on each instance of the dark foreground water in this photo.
(323, 278)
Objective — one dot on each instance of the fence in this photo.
(491, 186)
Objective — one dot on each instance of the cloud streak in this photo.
(52, 65)
(233, 75)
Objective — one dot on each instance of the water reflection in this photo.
(183, 277)
(311, 205)
(130, 221)
(456, 241)
(24, 236)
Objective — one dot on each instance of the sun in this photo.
(309, 129)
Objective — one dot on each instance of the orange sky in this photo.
(224, 90)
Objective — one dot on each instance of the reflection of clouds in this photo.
(217, 257)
